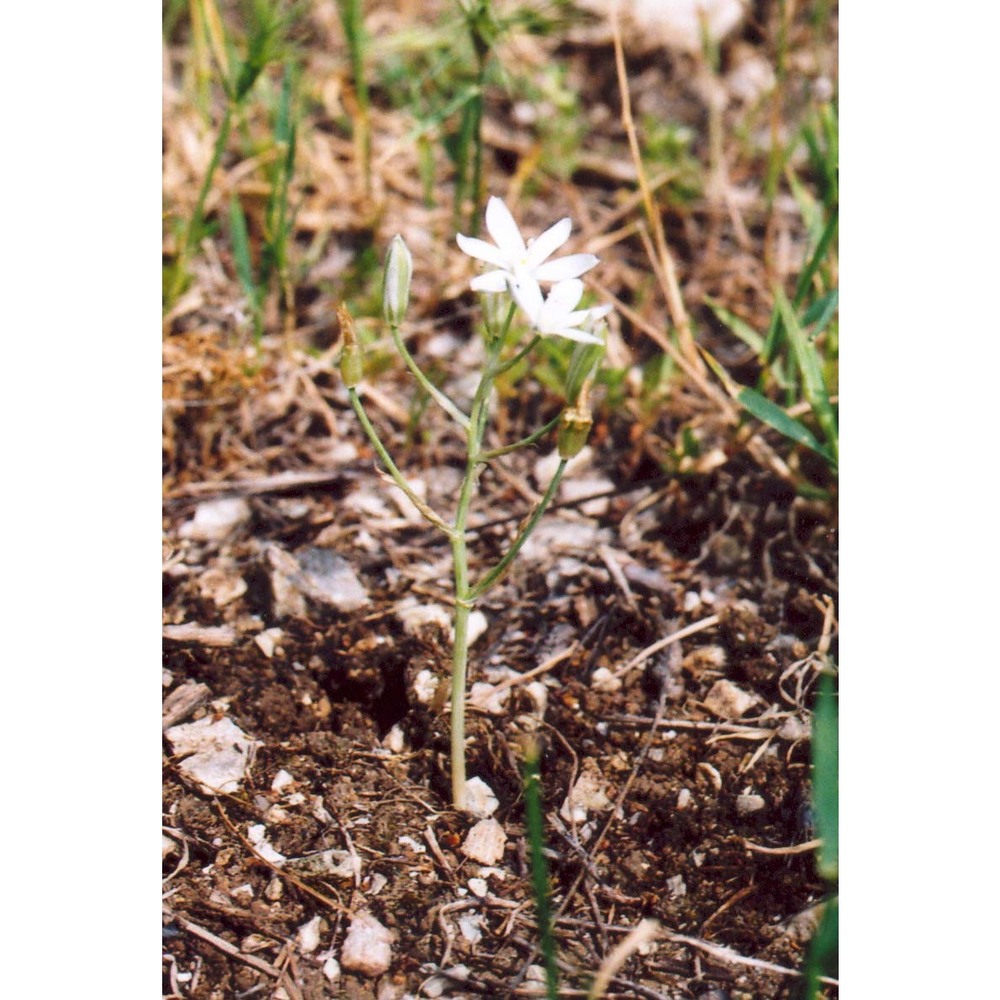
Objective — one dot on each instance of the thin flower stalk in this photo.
(519, 267)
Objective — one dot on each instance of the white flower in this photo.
(557, 315)
(519, 262)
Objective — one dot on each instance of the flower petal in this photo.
(550, 241)
(503, 229)
(482, 250)
(564, 267)
(527, 294)
(582, 316)
(572, 333)
(491, 281)
(562, 299)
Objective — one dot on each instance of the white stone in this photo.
(479, 798)
(331, 969)
(267, 641)
(308, 935)
(487, 698)
(589, 793)
(479, 886)
(485, 842)
(727, 700)
(219, 752)
(436, 986)
(416, 615)
(367, 947)
(470, 927)
(425, 686)
(214, 519)
(748, 803)
(257, 835)
(395, 739)
(281, 781)
(604, 681)
(676, 886)
(477, 626)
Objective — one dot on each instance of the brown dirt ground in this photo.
(698, 803)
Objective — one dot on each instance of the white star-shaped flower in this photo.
(557, 315)
(517, 261)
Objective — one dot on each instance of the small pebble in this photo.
(479, 798)
(367, 947)
(485, 842)
(308, 935)
(748, 803)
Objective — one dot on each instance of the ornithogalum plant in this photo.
(519, 269)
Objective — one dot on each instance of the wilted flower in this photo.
(518, 261)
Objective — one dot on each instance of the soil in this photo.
(699, 746)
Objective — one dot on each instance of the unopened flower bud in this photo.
(574, 427)
(396, 281)
(351, 357)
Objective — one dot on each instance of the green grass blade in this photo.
(539, 870)
(740, 327)
(819, 255)
(826, 777)
(240, 238)
(813, 386)
(767, 412)
(819, 314)
(243, 261)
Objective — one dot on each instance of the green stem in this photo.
(459, 669)
(195, 223)
(460, 556)
(501, 567)
(390, 465)
(488, 456)
(507, 365)
(432, 390)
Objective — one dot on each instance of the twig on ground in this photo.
(730, 957)
(201, 635)
(809, 845)
(229, 949)
(683, 633)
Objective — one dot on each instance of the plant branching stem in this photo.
(501, 567)
(488, 456)
(393, 471)
(432, 390)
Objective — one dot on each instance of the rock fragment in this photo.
(589, 793)
(485, 842)
(728, 701)
(214, 520)
(479, 798)
(367, 947)
(217, 752)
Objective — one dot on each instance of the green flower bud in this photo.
(396, 281)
